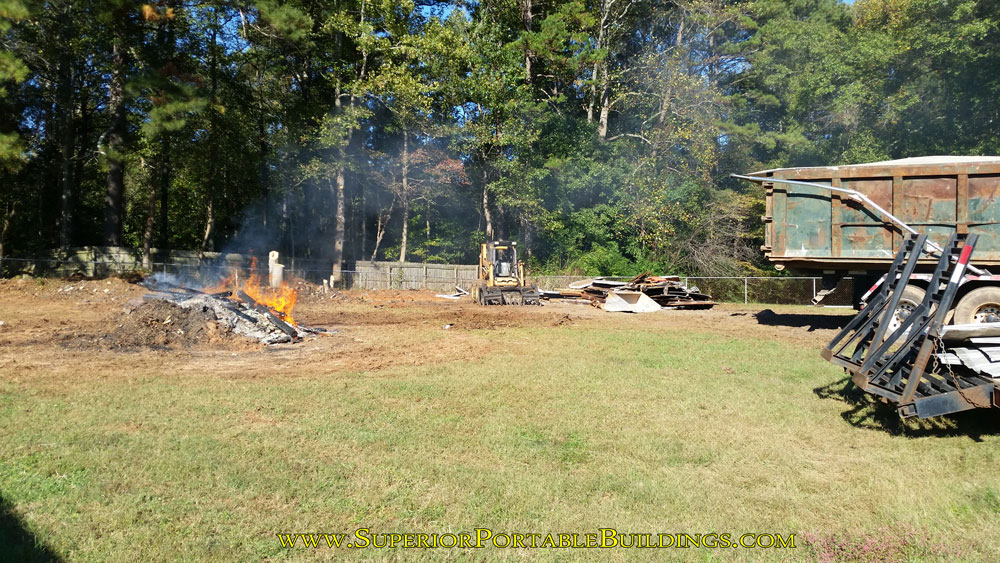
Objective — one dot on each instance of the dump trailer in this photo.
(852, 220)
(501, 277)
(927, 337)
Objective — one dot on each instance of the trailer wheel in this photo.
(912, 297)
(981, 305)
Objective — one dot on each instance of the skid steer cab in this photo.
(501, 277)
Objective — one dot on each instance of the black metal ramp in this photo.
(901, 364)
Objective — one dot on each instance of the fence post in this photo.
(814, 288)
(425, 277)
(745, 290)
(456, 277)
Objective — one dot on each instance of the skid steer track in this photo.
(508, 295)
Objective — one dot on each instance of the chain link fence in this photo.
(436, 277)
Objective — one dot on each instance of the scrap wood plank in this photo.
(282, 325)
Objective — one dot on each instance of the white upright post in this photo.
(275, 271)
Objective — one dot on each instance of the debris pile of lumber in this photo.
(642, 293)
(235, 312)
(669, 291)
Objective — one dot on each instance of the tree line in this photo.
(598, 133)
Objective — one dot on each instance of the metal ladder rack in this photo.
(892, 363)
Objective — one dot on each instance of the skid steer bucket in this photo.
(630, 302)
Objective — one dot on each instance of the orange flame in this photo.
(280, 300)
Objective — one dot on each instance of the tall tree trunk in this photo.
(341, 216)
(262, 170)
(528, 55)
(501, 226)
(602, 124)
(593, 91)
(82, 144)
(6, 220)
(486, 206)
(286, 224)
(526, 234)
(207, 240)
(66, 139)
(147, 230)
(364, 224)
(339, 228)
(167, 40)
(114, 197)
(206, 237)
(405, 197)
(361, 185)
(595, 77)
(301, 212)
(406, 224)
(667, 93)
(164, 181)
(383, 221)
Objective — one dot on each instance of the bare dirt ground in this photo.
(69, 331)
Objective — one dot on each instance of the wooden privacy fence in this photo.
(409, 275)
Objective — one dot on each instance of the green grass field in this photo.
(576, 428)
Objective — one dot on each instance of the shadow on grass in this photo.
(868, 412)
(17, 543)
(813, 322)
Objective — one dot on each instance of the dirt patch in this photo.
(53, 327)
(159, 324)
(80, 291)
(458, 316)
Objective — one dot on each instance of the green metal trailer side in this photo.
(813, 229)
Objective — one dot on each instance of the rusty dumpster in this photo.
(813, 229)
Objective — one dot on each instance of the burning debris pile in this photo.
(241, 307)
(643, 293)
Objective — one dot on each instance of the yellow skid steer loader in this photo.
(501, 277)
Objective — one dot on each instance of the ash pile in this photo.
(234, 312)
(642, 294)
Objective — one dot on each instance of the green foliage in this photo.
(12, 70)
(602, 261)
(598, 134)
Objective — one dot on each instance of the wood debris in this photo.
(666, 291)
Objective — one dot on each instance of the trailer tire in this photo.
(981, 305)
(912, 297)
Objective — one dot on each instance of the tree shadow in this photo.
(867, 411)
(17, 542)
(813, 322)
